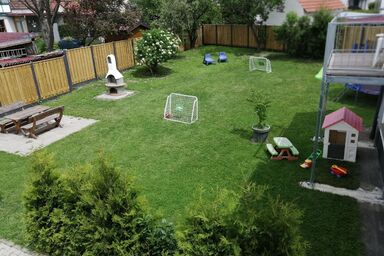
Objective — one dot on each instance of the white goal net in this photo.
(259, 63)
(181, 108)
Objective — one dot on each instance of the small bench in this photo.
(5, 125)
(294, 151)
(43, 121)
(271, 149)
(11, 108)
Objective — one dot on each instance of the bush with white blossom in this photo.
(156, 46)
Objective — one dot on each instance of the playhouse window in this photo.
(353, 135)
(353, 141)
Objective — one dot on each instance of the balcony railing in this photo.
(14, 53)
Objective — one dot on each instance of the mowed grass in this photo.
(170, 161)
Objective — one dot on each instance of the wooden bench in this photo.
(11, 108)
(43, 121)
(271, 150)
(5, 125)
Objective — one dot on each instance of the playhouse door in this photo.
(336, 146)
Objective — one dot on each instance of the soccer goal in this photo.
(259, 63)
(181, 108)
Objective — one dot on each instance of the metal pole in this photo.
(319, 118)
(68, 71)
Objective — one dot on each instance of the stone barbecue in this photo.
(115, 80)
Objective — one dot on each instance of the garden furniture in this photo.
(284, 149)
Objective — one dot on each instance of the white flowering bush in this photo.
(155, 47)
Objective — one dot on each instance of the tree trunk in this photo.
(259, 35)
(192, 38)
(47, 32)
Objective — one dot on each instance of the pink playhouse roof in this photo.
(346, 115)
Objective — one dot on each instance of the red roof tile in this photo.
(315, 5)
(11, 39)
(346, 115)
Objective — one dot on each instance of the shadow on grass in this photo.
(144, 72)
(243, 133)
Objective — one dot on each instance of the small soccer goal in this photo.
(181, 108)
(259, 63)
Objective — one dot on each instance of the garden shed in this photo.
(341, 135)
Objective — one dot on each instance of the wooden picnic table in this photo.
(22, 116)
(285, 149)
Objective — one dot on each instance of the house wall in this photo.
(9, 23)
(276, 18)
(350, 147)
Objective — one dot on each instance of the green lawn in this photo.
(169, 161)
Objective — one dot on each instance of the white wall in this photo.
(9, 24)
(350, 147)
(277, 18)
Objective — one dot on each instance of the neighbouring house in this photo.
(344, 63)
(125, 32)
(16, 17)
(16, 45)
(379, 131)
(341, 134)
(305, 7)
(137, 30)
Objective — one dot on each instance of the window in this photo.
(2, 26)
(353, 135)
(4, 1)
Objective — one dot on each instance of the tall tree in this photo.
(90, 19)
(252, 13)
(46, 12)
(150, 10)
(187, 16)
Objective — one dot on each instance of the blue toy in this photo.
(222, 57)
(208, 59)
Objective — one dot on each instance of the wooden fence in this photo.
(358, 36)
(48, 78)
(237, 35)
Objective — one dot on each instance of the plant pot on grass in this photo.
(260, 104)
(260, 134)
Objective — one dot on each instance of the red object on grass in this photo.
(339, 171)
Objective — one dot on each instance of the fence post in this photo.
(247, 36)
(93, 62)
(133, 51)
(202, 34)
(216, 33)
(67, 70)
(35, 81)
(114, 53)
(231, 35)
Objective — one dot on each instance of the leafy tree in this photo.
(155, 47)
(46, 12)
(94, 211)
(90, 19)
(150, 10)
(302, 37)
(250, 13)
(187, 16)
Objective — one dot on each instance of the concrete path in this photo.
(9, 249)
(21, 145)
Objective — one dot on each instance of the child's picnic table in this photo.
(284, 149)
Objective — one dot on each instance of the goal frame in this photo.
(195, 108)
(268, 68)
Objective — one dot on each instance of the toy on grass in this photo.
(260, 63)
(338, 171)
(208, 59)
(222, 57)
(181, 108)
(308, 162)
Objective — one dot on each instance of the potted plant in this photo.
(260, 103)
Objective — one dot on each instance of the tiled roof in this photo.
(346, 115)
(18, 4)
(12, 39)
(28, 59)
(315, 5)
